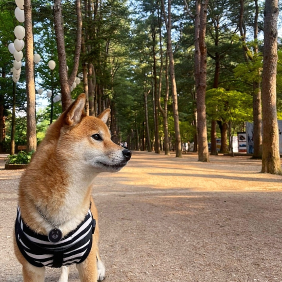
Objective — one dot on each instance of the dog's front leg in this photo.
(101, 269)
(88, 268)
(64, 274)
(32, 273)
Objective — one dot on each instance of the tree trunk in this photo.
(223, 133)
(30, 86)
(164, 109)
(91, 89)
(149, 147)
(178, 148)
(156, 95)
(2, 127)
(195, 121)
(197, 57)
(248, 55)
(2, 116)
(84, 72)
(113, 127)
(59, 31)
(270, 140)
(13, 131)
(203, 153)
(78, 44)
(213, 138)
(215, 85)
(257, 116)
(143, 137)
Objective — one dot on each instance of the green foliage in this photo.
(279, 74)
(251, 71)
(21, 130)
(20, 158)
(228, 105)
(42, 123)
(119, 41)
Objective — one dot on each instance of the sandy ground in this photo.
(175, 219)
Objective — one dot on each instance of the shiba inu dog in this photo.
(57, 221)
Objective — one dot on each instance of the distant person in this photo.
(251, 144)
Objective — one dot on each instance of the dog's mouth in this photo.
(113, 166)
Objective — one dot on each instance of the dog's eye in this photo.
(97, 137)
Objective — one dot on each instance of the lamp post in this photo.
(36, 60)
(52, 65)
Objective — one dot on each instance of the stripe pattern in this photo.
(39, 251)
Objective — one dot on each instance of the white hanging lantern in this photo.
(40, 91)
(20, 4)
(49, 94)
(18, 55)
(17, 65)
(17, 76)
(57, 98)
(19, 32)
(36, 58)
(77, 80)
(15, 71)
(51, 64)
(11, 48)
(19, 14)
(15, 79)
(19, 44)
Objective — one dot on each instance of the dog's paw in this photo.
(101, 270)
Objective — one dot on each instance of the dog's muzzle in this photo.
(127, 154)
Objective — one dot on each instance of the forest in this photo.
(172, 72)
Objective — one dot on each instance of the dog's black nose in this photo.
(127, 154)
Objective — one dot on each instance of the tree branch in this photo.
(188, 10)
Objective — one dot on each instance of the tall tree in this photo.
(270, 141)
(66, 82)
(168, 23)
(163, 109)
(155, 88)
(200, 77)
(30, 86)
(251, 58)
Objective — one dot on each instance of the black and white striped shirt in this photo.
(39, 251)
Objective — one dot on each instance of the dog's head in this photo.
(86, 140)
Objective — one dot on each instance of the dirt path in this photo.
(167, 219)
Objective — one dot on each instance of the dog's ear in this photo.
(104, 116)
(75, 112)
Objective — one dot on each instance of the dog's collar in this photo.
(45, 218)
(55, 234)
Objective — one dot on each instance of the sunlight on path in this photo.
(222, 173)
